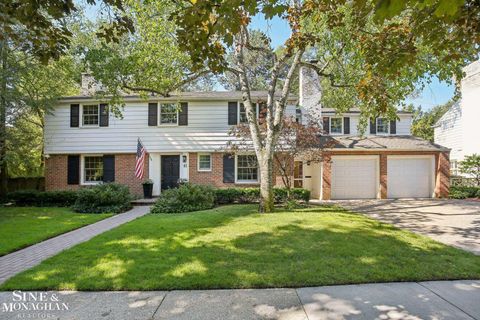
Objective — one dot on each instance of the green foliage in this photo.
(103, 198)
(42, 28)
(459, 192)
(423, 121)
(42, 199)
(187, 197)
(252, 195)
(471, 166)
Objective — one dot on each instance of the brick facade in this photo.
(442, 170)
(56, 173)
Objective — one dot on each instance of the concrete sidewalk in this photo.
(423, 300)
(24, 259)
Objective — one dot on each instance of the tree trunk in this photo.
(3, 119)
(266, 184)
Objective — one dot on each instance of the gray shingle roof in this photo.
(378, 143)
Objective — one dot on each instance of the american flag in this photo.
(140, 163)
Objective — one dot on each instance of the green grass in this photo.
(235, 247)
(24, 226)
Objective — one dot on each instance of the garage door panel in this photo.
(354, 178)
(409, 177)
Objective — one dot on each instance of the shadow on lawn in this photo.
(200, 252)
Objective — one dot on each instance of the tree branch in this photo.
(321, 73)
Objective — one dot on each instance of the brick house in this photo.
(85, 145)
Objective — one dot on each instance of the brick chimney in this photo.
(310, 94)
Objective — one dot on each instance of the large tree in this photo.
(424, 120)
(368, 54)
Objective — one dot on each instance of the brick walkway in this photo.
(24, 259)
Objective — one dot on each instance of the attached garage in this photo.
(354, 177)
(410, 176)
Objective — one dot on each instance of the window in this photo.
(247, 168)
(204, 162)
(382, 125)
(242, 113)
(336, 125)
(298, 115)
(168, 113)
(90, 115)
(298, 174)
(92, 169)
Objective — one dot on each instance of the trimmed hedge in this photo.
(460, 192)
(250, 195)
(36, 198)
(187, 197)
(103, 198)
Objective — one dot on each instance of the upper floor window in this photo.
(168, 113)
(383, 126)
(92, 169)
(204, 162)
(242, 112)
(90, 115)
(336, 125)
(298, 115)
(247, 168)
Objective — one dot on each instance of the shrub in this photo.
(43, 199)
(187, 197)
(478, 193)
(462, 192)
(251, 195)
(103, 198)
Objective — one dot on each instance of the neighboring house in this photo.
(458, 128)
(85, 145)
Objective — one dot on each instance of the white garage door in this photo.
(354, 178)
(410, 177)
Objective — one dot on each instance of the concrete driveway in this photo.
(453, 222)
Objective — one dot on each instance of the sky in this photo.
(433, 94)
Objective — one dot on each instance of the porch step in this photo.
(143, 202)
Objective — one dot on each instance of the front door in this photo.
(170, 171)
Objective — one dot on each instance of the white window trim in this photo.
(81, 116)
(159, 116)
(82, 170)
(198, 162)
(236, 171)
(257, 111)
(330, 123)
(376, 127)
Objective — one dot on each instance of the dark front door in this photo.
(170, 171)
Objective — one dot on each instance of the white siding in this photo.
(448, 132)
(207, 130)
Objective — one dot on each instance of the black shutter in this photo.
(326, 125)
(393, 127)
(373, 126)
(232, 113)
(183, 114)
(104, 115)
(152, 114)
(346, 125)
(108, 168)
(73, 169)
(228, 168)
(74, 115)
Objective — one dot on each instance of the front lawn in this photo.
(236, 247)
(24, 226)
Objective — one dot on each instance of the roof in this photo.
(378, 143)
(198, 95)
(329, 111)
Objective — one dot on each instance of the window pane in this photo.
(93, 168)
(382, 125)
(204, 162)
(243, 114)
(168, 113)
(90, 115)
(247, 167)
(336, 125)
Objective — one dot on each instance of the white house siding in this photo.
(448, 132)
(207, 130)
